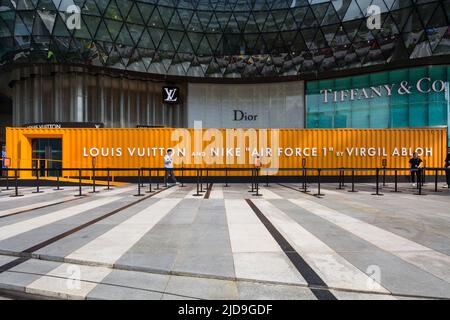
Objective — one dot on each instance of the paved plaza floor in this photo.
(227, 243)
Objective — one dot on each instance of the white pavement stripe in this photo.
(256, 254)
(14, 229)
(327, 190)
(268, 194)
(191, 192)
(28, 193)
(117, 190)
(332, 268)
(68, 281)
(423, 257)
(33, 206)
(110, 246)
(23, 192)
(163, 194)
(216, 192)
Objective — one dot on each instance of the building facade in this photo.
(233, 63)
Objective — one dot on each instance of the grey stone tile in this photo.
(345, 295)
(138, 280)
(213, 264)
(202, 288)
(108, 292)
(260, 291)
(397, 275)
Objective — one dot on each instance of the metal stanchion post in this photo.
(436, 181)
(16, 185)
(343, 178)
(353, 182)
(378, 183)
(182, 177)
(7, 179)
(384, 165)
(305, 181)
(139, 184)
(319, 194)
(201, 181)
(226, 178)
(58, 174)
(93, 181)
(267, 178)
(198, 182)
(80, 194)
(157, 180)
(340, 180)
(149, 181)
(419, 178)
(108, 179)
(423, 173)
(37, 182)
(252, 179)
(396, 181)
(257, 194)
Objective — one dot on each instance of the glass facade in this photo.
(70, 94)
(222, 38)
(415, 97)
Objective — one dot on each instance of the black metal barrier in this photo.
(306, 177)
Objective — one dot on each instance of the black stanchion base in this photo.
(307, 191)
(80, 195)
(108, 189)
(16, 195)
(378, 194)
(396, 191)
(197, 194)
(138, 195)
(94, 191)
(418, 194)
(149, 191)
(37, 191)
(58, 189)
(257, 195)
(318, 195)
(354, 191)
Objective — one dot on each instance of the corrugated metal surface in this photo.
(333, 141)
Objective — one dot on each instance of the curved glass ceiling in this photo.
(222, 39)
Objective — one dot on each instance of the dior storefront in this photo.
(268, 105)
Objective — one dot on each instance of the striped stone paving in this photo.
(226, 243)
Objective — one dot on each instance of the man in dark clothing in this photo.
(414, 164)
(447, 171)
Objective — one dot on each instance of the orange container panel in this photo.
(218, 148)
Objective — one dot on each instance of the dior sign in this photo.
(424, 86)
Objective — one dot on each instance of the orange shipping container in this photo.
(277, 148)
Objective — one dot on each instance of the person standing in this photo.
(168, 167)
(415, 166)
(447, 169)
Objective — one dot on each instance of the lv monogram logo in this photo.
(170, 95)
